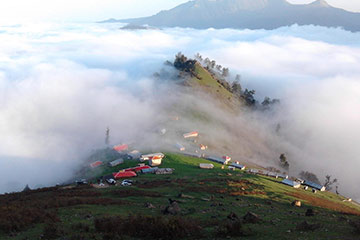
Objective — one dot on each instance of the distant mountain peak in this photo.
(320, 3)
(235, 5)
(252, 14)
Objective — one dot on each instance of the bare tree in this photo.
(328, 182)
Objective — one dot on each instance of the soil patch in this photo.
(315, 201)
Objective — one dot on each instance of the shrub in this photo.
(148, 227)
(233, 229)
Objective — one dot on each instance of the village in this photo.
(150, 163)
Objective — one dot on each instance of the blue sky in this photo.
(17, 11)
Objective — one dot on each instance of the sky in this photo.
(19, 11)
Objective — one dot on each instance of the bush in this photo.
(148, 227)
(233, 229)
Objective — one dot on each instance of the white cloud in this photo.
(61, 86)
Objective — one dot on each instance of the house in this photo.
(239, 166)
(191, 134)
(291, 183)
(253, 171)
(300, 180)
(283, 176)
(136, 169)
(121, 147)
(116, 162)
(124, 174)
(227, 158)
(155, 161)
(180, 147)
(162, 171)
(314, 185)
(218, 160)
(149, 170)
(96, 164)
(206, 165)
(272, 174)
(150, 156)
(135, 154)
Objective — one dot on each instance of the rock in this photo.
(251, 217)
(172, 209)
(181, 195)
(149, 205)
(309, 212)
(296, 203)
(233, 217)
(305, 226)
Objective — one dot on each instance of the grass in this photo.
(209, 196)
(205, 80)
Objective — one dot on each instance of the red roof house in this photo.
(95, 164)
(124, 174)
(121, 147)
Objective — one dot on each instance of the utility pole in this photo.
(107, 136)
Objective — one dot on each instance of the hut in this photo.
(239, 166)
(135, 154)
(150, 156)
(191, 134)
(116, 162)
(291, 183)
(124, 174)
(179, 147)
(206, 166)
(155, 161)
(96, 164)
(121, 148)
(314, 185)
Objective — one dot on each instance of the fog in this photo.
(61, 86)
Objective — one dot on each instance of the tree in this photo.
(183, 64)
(309, 176)
(236, 88)
(107, 136)
(225, 72)
(218, 67)
(248, 96)
(283, 161)
(199, 57)
(268, 102)
(328, 182)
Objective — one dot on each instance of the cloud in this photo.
(62, 85)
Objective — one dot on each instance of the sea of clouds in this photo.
(62, 85)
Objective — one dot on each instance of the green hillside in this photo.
(205, 82)
(212, 203)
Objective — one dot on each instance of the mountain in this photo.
(252, 14)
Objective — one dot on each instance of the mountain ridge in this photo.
(256, 14)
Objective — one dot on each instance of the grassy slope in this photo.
(207, 83)
(261, 195)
